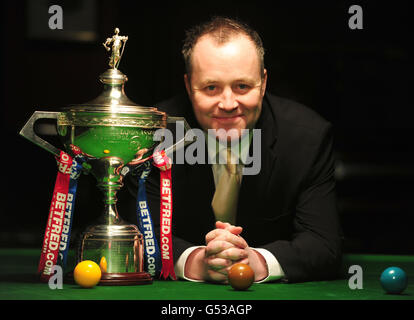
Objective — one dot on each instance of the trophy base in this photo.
(119, 279)
(125, 279)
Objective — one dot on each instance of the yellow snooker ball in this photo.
(87, 274)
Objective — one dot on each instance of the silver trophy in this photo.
(113, 133)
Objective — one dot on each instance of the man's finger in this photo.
(245, 261)
(217, 246)
(217, 263)
(233, 254)
(227, 226)
(214, 234)
(221, 234)
(222, 225)
(216, 276)
(234, 239)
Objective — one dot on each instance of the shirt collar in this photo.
(217, 149)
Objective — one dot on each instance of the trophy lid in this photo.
(113, 99)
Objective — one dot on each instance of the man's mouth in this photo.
(228, 119)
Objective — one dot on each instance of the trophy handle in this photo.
(28, 131)
(182, 142)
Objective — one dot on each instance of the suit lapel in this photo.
(201, 182)
(257, 186)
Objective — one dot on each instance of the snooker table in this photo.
(18, 281)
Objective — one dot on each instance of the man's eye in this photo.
(242, 88)
(211, 89)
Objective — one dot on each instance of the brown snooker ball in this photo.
(241, 276)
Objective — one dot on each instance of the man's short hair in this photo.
(222, 29)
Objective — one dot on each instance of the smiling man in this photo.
(283, 221)
(225, 81)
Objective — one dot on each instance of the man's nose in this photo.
(228, 100)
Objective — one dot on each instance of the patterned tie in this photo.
(225, 198)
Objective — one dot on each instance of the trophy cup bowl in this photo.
(110, 132)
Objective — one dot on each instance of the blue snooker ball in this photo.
(393, 280)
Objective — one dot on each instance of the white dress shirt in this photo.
(274, 269)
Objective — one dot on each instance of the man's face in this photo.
(226, 87)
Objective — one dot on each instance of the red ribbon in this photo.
(54, 226)
(164, 163)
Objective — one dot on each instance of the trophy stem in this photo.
(107, 173)
(109, 192)
(111, 216)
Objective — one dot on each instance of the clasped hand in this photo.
(224, 247)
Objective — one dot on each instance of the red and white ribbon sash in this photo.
(54, 226)
(164, 163)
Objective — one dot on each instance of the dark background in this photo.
(357, 79)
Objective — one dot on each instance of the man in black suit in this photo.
(284, 221)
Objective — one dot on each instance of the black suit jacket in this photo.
(289, 208)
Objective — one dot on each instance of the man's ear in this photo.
(264, 82)
(187, 84)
